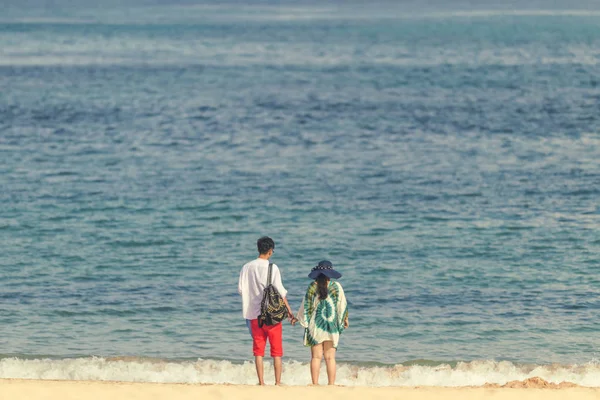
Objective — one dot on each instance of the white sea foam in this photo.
(474, 373)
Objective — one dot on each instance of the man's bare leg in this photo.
(329, 352)
(260, 370)
(315, 362)
(278, 368)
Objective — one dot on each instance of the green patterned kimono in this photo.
(323, 320)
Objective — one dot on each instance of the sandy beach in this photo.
(17, 389)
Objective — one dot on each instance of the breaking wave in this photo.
(132, 369)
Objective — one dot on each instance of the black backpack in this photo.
(272, 306)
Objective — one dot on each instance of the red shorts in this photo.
(259, 339)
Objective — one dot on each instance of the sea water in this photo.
(445, 158)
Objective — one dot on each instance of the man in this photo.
(253, 280)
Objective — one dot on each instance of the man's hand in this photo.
(291, 318)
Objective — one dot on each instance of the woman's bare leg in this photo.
(329, 353)
(315, 362)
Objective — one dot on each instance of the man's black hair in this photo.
(265, 244)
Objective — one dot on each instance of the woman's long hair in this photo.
(322, 287)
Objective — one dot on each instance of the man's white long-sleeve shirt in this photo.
(252, 283)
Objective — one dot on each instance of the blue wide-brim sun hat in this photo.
(324, 267)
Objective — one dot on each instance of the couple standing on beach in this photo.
(323, 313)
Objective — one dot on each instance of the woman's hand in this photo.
(346, 323)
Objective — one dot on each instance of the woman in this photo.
(324, 315)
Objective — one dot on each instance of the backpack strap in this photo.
(269, 275)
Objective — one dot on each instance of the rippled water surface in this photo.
(445, 161)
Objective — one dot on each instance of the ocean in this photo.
(445, 157)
